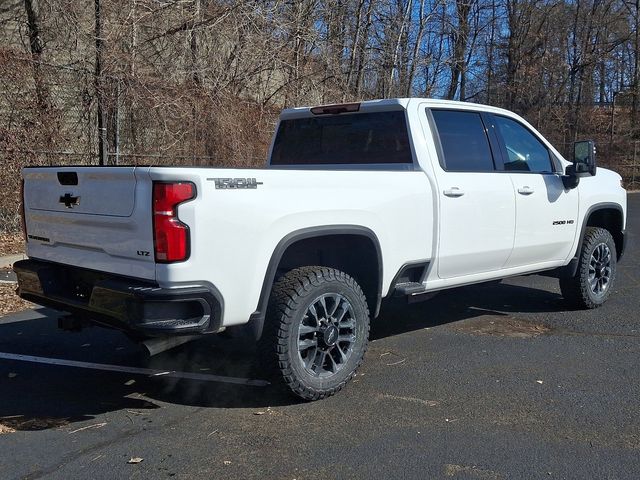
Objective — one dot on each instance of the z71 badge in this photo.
(235, 183)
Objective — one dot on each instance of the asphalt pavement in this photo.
(496, 381)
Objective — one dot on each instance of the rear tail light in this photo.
(23, 221)
(171, 236)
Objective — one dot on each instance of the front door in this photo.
(546, 212)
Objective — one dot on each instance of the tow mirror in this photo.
(584, 157)
(584, 163)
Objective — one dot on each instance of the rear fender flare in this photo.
(256, 320)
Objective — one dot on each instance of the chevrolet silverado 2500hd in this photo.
(358, 202)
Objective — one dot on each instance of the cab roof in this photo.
(385, 105)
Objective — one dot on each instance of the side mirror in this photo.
(584, 158)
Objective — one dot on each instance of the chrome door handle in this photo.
(525, 190)
(453, 192)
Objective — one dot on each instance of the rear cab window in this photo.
(367, 138)
(463, 142)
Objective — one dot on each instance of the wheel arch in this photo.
(609, 216)
(353, 249)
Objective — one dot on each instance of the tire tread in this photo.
(574, 289)
(284, 301)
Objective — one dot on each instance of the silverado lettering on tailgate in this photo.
(235, 183)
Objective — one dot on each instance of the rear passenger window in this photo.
(464, 142)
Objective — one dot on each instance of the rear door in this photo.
(94, 217)
(546, 212)
(477, 204)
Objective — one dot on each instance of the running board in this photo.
(409, 288)
(414, 292)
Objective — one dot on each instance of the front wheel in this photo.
(593, 281)
(316, 331)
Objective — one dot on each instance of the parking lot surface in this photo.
(492, 381)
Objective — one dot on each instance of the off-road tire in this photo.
(279, 349)
(576, 289)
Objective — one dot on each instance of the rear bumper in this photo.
(125, 303)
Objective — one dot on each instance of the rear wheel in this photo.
(592, 283)
(316, 331)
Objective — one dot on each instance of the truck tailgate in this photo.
(93, 217)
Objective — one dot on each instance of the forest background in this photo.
(200, 82)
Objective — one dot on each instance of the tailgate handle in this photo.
(68, 178)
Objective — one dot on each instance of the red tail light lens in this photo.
(171, 236)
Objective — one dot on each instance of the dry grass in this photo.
(9, 301)
(11, 243)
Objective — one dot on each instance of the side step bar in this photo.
(410, 288)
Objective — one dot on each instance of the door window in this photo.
(464, 142)
(524, 151)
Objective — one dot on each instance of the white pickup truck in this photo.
(359, 202)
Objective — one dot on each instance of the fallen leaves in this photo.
(22, 423)
(134, 460)
(4, 429)
(9, 301)
(11, 243)
(502, 326)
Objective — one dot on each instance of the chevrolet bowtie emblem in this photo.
(69, 200)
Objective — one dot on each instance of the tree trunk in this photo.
(512, 54)
(99, 86)
(492, 39)
(362, 50)
(396, 49)
(460, 38)
(354, 44)
(416, 50)
(193, 45)
(36, 47)
(636, 74)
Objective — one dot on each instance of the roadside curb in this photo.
(7, 261)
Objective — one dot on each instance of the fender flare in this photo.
(572, 266)
(256, 320)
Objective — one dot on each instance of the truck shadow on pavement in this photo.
(464, 303)
(37, 396)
